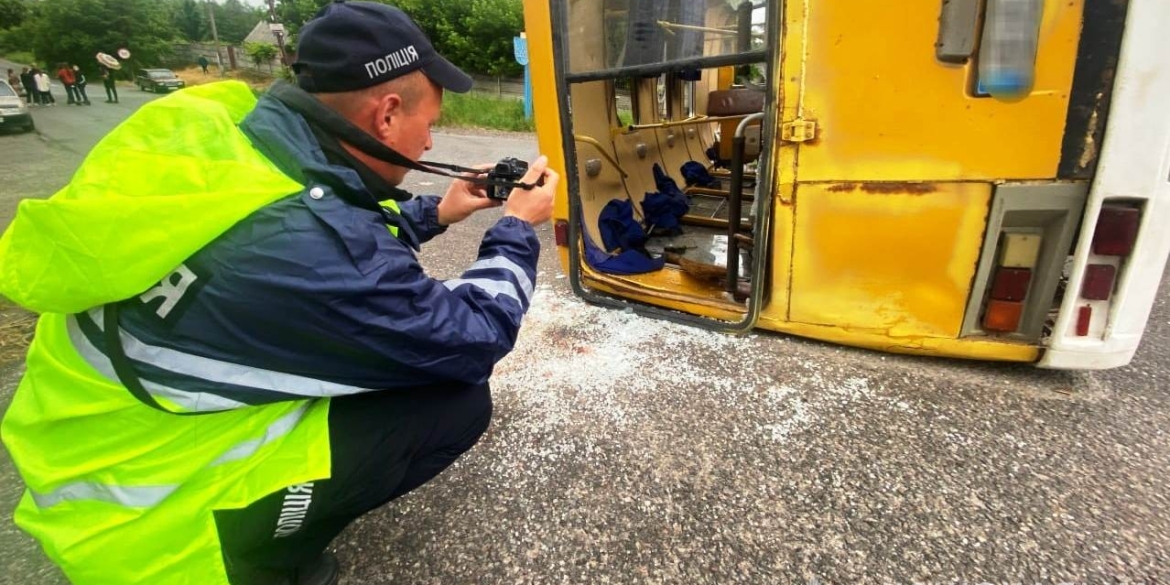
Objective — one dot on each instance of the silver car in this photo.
(13, 112)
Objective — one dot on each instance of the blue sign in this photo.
(520, 48)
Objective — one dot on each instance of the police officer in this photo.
(238, 353)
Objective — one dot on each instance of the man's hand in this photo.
(463, 199)
(534, 205)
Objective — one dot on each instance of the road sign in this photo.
(108, 61)
(520, 49)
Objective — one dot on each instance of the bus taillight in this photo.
(1030, 230)
(1098, 282)
(1003, 316)
(561, 232)
(1117, 228)
(1114, 238)
(1009, 288)
(1011, 284)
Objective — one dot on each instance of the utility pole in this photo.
(215, 37)
(277, 31)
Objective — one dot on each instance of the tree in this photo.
(295, 13)
(74, 31)
(234, 20)
(261, 53)
(473, 34)
(485, 33)
(189, 16)
(13, 13)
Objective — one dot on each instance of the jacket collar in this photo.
(289, 140)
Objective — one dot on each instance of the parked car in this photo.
(13, 111)
(158, 80)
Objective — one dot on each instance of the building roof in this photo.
(261, 34)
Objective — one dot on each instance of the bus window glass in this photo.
(639, 33)
(623, 103)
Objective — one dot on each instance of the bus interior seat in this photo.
(737, 101)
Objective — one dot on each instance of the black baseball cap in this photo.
(354, 45)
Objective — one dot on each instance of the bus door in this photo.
(647, 88)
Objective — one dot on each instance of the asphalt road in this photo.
(625, 450)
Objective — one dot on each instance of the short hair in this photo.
(410, 86)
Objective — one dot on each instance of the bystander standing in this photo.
(43, 87)
(65, 76)
(111, 88)
(14, 81)
(79, 86)
(30, 86)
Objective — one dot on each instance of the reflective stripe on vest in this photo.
(203, 368)
(131, 497)
(147, 496)
(276, 430)
(190, 401)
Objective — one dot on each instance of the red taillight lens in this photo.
(1084, 317)
(1011, 284)
(1117, 228)
(1098, 283)
(1002, 316)
(561, 232)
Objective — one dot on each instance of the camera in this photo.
(508, 171)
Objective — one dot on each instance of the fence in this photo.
(499, 86)
(514, 88)
(233, 57)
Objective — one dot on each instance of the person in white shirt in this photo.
(42, 82)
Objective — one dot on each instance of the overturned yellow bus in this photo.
(982, 179)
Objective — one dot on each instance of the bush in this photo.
(261, 53)
(484, 111)
(21, 58)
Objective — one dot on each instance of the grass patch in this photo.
(478, 110)
(21, 57)
(257, 80)
(460, 110)
(625, 118)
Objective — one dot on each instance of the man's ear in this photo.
(389, 109)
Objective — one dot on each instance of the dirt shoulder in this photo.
(16, 332)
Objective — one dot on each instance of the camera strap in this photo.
(303, 103)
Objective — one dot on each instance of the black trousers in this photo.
(384, 444)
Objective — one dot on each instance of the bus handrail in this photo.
(686, 122)
(743, 124)
(667, 26)
(600, 148)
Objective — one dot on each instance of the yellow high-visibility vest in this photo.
(117, 492)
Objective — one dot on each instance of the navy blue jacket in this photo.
(313, 296)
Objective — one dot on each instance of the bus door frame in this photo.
(766, 173)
